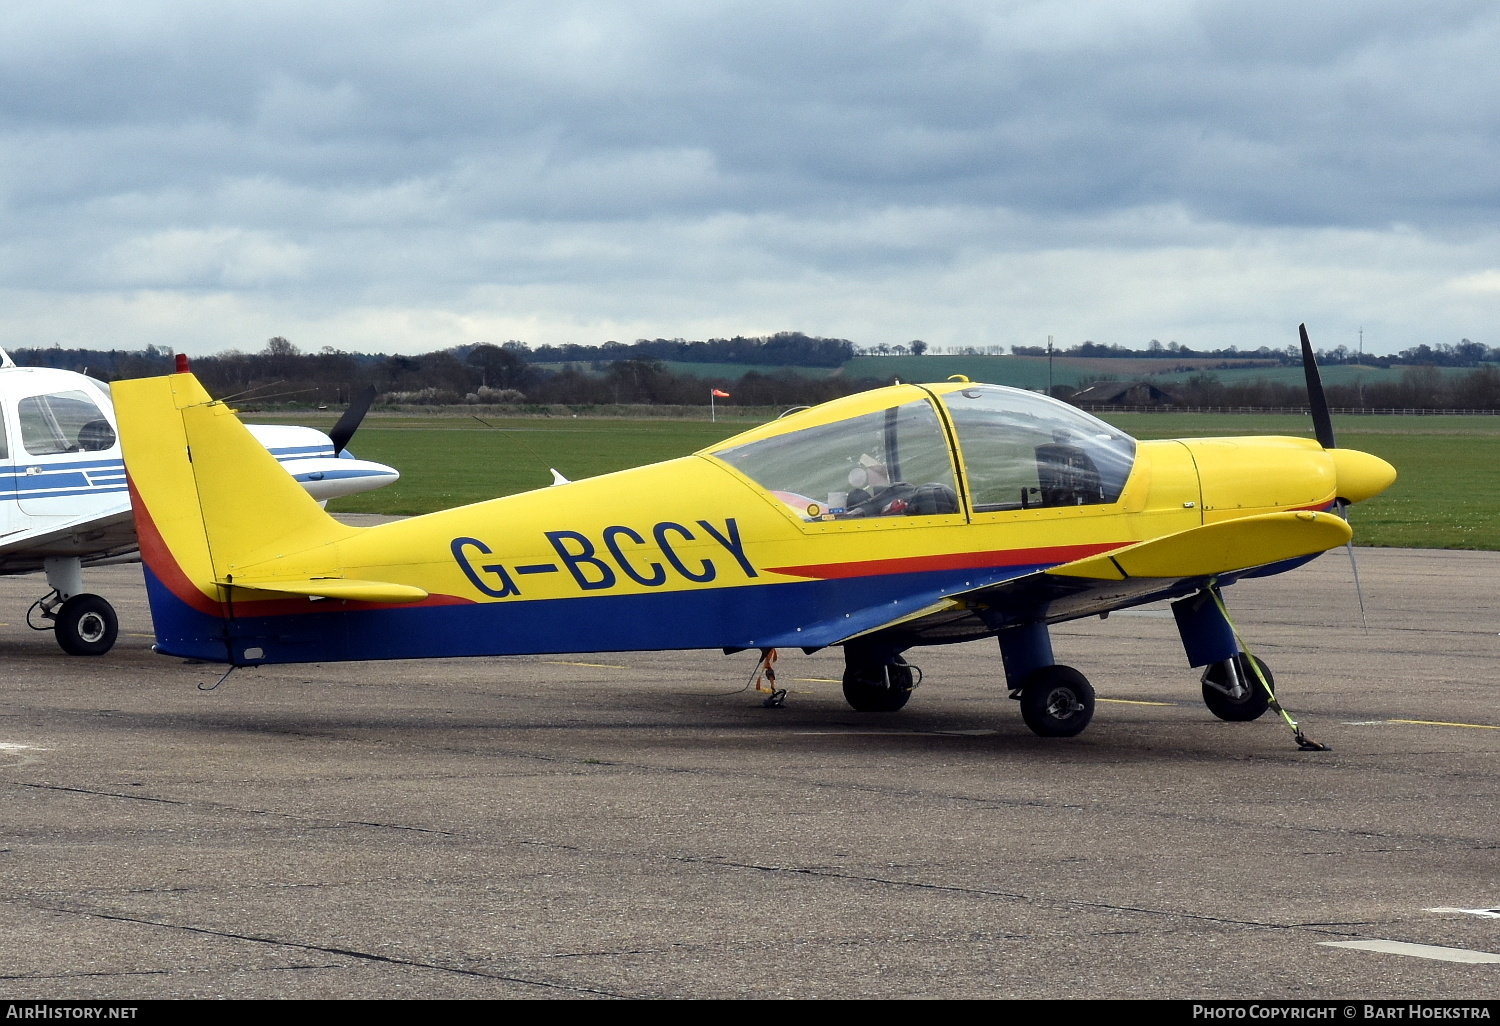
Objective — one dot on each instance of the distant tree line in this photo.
(1420, 388)
(1462, 354)
(509, 373)
(783, 349)
(481, 373)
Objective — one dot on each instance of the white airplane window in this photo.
(63, 422)
(4, 442)
(1022, 450)
(892, 463)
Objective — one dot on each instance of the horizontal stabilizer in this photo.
(1217, 548)
(336, 588)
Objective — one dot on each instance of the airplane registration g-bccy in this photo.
(65, 504)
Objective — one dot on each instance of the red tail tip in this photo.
(182, 363)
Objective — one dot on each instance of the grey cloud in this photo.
(1355, 113)
(389, 155)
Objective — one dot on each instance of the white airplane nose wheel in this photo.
(1057, 701)
(86, 625)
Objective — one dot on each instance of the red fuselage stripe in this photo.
(1051, 555)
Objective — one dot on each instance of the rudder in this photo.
(209, 502)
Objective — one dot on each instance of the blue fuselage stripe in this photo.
(791, 613)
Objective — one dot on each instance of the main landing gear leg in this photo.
(877, 680)
(1056, 701)
(83, 624)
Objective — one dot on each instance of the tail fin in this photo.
(211, 505)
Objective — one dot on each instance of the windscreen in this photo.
(1022, 450)
(891, 463)
(63, 422)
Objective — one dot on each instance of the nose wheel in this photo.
(84, 625)
(1232, 691)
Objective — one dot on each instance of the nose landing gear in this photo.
(84, 625)
(1232, 692)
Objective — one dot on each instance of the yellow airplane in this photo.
(904, 516)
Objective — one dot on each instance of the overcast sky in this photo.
(401, 177)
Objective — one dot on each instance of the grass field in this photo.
(1448, 495)
(450, 462)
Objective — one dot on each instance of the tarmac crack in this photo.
(223, 807)
(366, 956)
(85, 976)
(166, 972)
(989, 802)
(102, 794)
(949, 888)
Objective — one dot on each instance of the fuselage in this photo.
(808, 531)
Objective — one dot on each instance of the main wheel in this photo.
(1057, 701)
(86, 626)
(1252, 700)
(878, 687)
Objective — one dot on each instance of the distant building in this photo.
(1122, 393)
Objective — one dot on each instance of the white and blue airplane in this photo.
(65, 502)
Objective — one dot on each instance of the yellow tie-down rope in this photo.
(1304, 742)
(766, 670)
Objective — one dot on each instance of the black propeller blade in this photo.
(1317, 402)
(1317, 405)
(349, 422)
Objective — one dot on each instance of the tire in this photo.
(86, 626)
(1057, 701)
(1250, 706)
(878, 687)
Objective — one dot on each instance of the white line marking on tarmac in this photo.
(9, 747)
(1131, 701)
(1432, 951)
(1441, 723)
(1488, 913)
(1420, 723)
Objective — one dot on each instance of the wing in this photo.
(96, 538)
(1162, 568)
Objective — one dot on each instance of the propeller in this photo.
(1317, 405)
(349, 422)
(1317, 401)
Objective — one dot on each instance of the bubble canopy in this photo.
(1020, 450)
